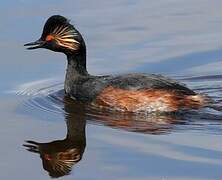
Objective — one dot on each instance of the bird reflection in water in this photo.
(59, 156)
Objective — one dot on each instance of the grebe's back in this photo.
(135, 93)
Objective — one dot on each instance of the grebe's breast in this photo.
(136, 93)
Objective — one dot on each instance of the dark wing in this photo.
(87, 88)
(149, 81)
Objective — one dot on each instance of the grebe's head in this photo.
(60, 36)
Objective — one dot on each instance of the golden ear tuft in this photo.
(65, 37)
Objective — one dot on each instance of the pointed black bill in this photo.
(35, 45)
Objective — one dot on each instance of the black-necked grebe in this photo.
(130, 92)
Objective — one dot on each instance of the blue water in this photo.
(180, 39)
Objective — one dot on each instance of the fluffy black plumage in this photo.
(86, 88)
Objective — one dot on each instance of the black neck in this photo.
(77, 64)
(76, 68)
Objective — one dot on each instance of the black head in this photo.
(60, 36)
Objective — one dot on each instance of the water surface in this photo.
(64, 138)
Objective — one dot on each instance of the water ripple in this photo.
(47, 96)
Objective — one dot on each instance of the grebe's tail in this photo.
(201, 100)
(197, 101)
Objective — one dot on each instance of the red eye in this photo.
(49, 38)
(47, 157)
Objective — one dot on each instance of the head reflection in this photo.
(59, 156)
